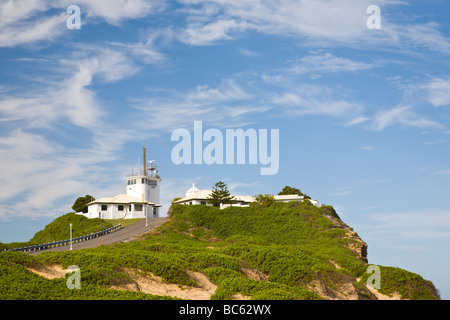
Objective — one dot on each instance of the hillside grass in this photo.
(59, 229)
(290, 244)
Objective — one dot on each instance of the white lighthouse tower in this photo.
(144, 183)
(140, 201)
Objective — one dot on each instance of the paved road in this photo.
(123, 235)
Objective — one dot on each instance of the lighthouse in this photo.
(144, 183)
(140, 200)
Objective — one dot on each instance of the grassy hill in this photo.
(283, 251)
(59, 229)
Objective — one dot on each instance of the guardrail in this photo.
(66, 242)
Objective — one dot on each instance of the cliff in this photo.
(281, 251)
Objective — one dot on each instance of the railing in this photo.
(66, 242)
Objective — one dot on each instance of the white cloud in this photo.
(402, 115)
(115, 11)
(356, 120)
(367, 148)
(315, 100)
(44, 29)
(38, 166)
(218, 20)
(423, 224)
(13, 11)
(30, 21)
(317, 21)
(357, 185)
(223, 105)
(438, 91)
(69, 98)
(326, 63)
(207, 34)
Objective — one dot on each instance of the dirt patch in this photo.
(254, 274)
(153, 284)
(335, 264)
(241, 297)
(380, 296)
(50, 272)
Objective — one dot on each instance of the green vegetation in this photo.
(176, 199)
(265, 200)
(220, 194)
(291, 190)
(409, 285)
(80, 204)
(278, 251)
(59, 229)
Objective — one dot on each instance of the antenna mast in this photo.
(145, 161)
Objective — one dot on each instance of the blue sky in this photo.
(363, 115)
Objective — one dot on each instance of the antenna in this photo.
(145, 161)
(151, 168)
(138, 167)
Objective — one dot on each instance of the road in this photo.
(123, 235)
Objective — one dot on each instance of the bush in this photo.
(287, 245)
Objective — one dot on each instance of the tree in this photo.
(291, 190)
(176, 199)
(80, 204)
(262, 201)
(220, 194)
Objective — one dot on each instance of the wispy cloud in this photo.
(226, 104)
(308, 99)
(314, 21)
(402, 115)
(355, 185)
(22, 21)
(37, 164)
(367, 148)
(324, 62)
(423, 224)
(438, 91)
(55, 99)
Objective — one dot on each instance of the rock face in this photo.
(356, 243)
(359, 246)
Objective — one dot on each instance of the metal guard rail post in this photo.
(66, 242)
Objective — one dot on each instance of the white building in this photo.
(140, 200)
(195, 196)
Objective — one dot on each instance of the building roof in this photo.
(244, 198)
(121, 199)
(195, 194)
(289, 197)
(199, 195)
(193, 189)
(205, 194)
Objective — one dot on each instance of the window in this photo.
(120, 207)
(138, 207)
(152, 183)
(143, 181)
(202, 202)
(104, 207)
